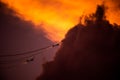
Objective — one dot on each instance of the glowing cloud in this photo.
(55, 17)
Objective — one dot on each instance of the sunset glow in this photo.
(56, 17)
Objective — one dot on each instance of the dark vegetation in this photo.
(88, 52)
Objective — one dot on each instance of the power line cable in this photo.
(28, 58)
(19, 59)
(25, 53)
(30, 52)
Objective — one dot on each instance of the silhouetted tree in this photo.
(88, 52)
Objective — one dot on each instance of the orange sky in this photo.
(56, 17)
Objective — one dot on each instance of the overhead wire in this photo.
(25, 53)
(30, 52)
(29, 55)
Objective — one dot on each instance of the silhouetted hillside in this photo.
(88, 52)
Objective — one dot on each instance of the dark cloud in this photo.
(17, 36)
(88, 52)
(14, 31)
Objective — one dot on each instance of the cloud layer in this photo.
(58, 16)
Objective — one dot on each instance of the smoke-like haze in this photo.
(58, 16)
(88, 52)
(18, 36)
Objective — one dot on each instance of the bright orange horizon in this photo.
(56, 17)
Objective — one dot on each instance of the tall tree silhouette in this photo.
(88, 52)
